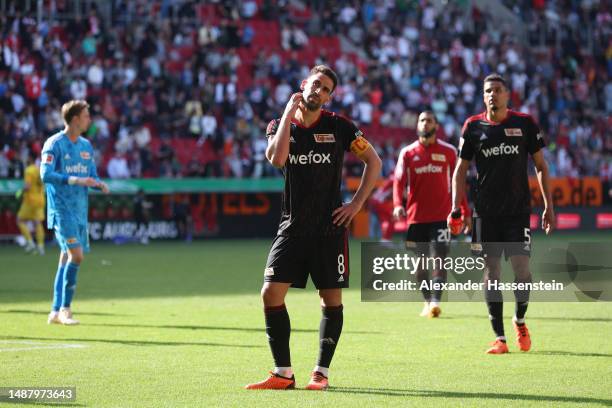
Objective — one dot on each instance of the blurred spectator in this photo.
(117, 167)
(182, 73)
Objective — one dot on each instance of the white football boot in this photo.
(65, 317)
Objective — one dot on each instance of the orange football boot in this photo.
(274, 382)
(317, 382)
(522, 336)
(498, 347)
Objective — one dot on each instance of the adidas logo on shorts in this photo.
(341, 278)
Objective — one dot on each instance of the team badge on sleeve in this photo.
(359, 146)
(47, 158)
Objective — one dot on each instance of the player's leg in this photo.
(278, 331)
(495, 304)
(75, 257)
(24, 228)
(330, 329)
(278, 325)
(486, 232)
(39, 216)
(518, 234)
(438, 250)
(58, 288)
(283, 269)
(330, 273)
(520, 266)
(40, 237)
(76, 240)
(417, 240)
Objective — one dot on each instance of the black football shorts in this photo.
(429, 238)
(325, 259)
(508, 235)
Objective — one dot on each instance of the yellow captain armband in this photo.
(359, 146)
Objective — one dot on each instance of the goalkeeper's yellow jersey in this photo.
(35, 195)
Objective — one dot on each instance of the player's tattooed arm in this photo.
(548, 215)
(278, 144)
(344, 215)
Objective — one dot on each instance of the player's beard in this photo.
(312, 106)
(426, 135)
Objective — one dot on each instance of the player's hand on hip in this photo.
(549, 222)
(398, 213)
(344, 215)
(293, 104)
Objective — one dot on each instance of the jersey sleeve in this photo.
(466, 149)
(352, 138)
(272, 127)
(50, 169)
(400, 180)
(535, 140)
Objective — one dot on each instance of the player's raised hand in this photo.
(549, 222)
(293, 104)
(342, 216)
(398, 213)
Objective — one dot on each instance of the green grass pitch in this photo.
(175, 324)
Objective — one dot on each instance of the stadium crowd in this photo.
(171, 70)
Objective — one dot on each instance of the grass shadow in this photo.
(475, 395)
(569, 353)
(136, 342)
(562, 319)
(44, 312)
(197, 327)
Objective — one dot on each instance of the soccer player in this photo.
(68, 170)
(423, 174)
(500, 140)
(308, 144)
(32, 207)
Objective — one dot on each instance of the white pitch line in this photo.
(37, 345)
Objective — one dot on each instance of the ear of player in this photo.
(455, 222)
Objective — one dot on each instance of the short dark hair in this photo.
(495, 78)
(325, 70)
(430, 112)
(73, 108)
